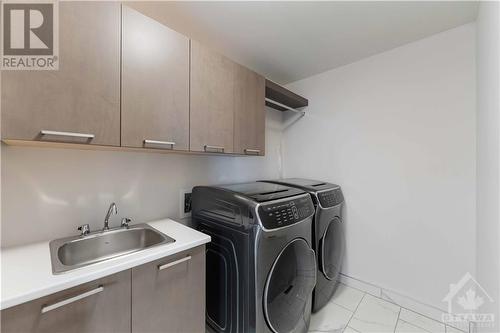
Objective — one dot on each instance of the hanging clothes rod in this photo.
(285, 106)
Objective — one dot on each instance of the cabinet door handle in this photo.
(252, 151)
(163, 143)
(71, 134)
(173, 263)
(67, 301)
(209, 148)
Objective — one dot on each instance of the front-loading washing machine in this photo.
(261, 269)
(327, 234)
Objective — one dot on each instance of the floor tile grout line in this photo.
(380, 297)
(361, 281)
(343, 307)
(364, 292)
(393, 303)
(397, 319)
(354, 312)
(418, 313)
(390, 291)
(413, 324)
(383, 305)
(423, 328)
(399, 311)
(382, 290)
(351, 329)
(403, 307)
(423, 315)
(456, 329)
(361, 291)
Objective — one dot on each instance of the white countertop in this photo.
(27, 270)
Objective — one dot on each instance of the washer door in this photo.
(289, 285)
(332, 246)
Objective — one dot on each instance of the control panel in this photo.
(330, 198)
(284, 213)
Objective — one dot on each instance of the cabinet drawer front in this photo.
(169, 294)
(98, 306)
(155, 84)
(83, 96)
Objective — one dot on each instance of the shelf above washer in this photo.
(282, 99)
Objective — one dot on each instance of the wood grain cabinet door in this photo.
(168, 295)
(155, 84)
(83, 96)
(249, 112)
(99, 306)
(212, 90)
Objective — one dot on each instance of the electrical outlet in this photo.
(185, 203)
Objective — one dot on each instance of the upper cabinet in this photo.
(227, 105)
(80, 102)
(212, 100)
(249, 112)
(155, 84)
(126, 79)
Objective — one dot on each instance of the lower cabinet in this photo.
(167, 295)
(99, 306)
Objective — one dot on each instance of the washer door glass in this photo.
(289, 286)
(332, 249)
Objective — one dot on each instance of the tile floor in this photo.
(354, 311)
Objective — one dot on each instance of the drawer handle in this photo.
(209, 148)
(71, 134)
(252, 151)
(163, 143)
(173, 263)
(67, 301)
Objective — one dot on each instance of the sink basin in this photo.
(74, 252)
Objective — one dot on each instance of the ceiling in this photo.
(288, 41)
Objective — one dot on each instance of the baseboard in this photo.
(401, 300)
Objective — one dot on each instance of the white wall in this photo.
(397, 132)
(48, 192)
(488, 146)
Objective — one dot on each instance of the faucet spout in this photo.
(112, 210)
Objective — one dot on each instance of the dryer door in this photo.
(289, 286)
(331, 249)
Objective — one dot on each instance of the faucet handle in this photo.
(125, 222)
(85, 229)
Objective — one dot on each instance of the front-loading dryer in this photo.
(261, 269)
(327, 234)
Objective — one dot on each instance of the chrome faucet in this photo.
(111, 210)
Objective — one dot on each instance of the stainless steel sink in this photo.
(74, 252)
